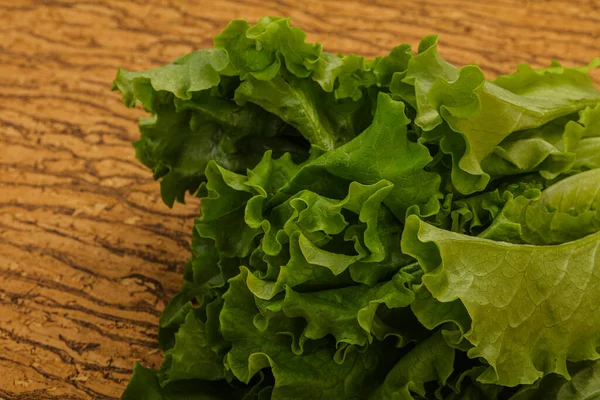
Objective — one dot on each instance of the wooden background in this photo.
(88, 253)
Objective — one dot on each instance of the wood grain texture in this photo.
(89, 255)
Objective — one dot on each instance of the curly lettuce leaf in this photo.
(587, 154)
(263, 88)
(295, 210)
(587, 151)
(322, 120)
(557, 147)
(432, 313)
(349, 314)
(310, 223)
(532, 307)
(430, 361)
(263, 49)
(181, 137)
(470, 116)
(382, 151)
(261, 336)
(549, 150)
(195, 72)
(191, 357)
(474, 214)
(565, 211)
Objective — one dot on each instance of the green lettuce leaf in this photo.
(552, 149)
(583, 385)
(262, 49)
(261, 336)
(303, 213)
(532, 307)
(301, 103)
(430, 361)
(195, 72)
(469, 116)
(191, 357)
(350, 313)
(587, 151)
(587, 154)
(262, 88)
(566, 211)
(549, 149)
(181, 138)
(382, 151)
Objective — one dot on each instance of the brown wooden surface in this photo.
(88, 253)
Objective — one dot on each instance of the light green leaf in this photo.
(485, 113)
(260, 50)
(194, 72)
(532, 308)
(565, 211)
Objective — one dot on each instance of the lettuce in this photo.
(387, 228)
(532, 308)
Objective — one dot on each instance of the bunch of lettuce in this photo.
(387, 228)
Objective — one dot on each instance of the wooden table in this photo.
(88, 253)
